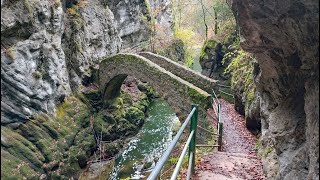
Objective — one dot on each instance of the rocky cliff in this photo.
(50, 48)
(284, 37)
(50, 106)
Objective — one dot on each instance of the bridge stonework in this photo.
(185, 73)
(179, 93)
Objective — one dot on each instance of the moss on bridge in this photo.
(179, 70)
(179, 93)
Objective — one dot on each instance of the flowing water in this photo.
(146, 148)
(143, 151)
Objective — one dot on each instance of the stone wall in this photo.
(183, 72)
(179, 93)
(284, 36)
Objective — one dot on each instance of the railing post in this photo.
(220, 136)
(220, 127)
(193, 127)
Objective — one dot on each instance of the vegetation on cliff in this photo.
(60, 146)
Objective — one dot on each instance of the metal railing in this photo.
(222, 88)
(216, 106)
(191, 143)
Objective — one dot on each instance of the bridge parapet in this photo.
(179, 93)
(185, 73)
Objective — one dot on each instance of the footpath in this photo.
(238, 159)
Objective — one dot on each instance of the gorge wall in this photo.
(50, 48)
(50, 104)
(283, 35)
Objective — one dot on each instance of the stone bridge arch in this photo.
(179, 93)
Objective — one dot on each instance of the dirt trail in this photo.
(238, 159)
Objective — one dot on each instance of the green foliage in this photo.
(223, 11)
(189, 58)
(174, 161)
(184, 34)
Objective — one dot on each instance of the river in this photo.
(138, 159)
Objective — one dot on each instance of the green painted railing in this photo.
(216, 106)
(191, 143)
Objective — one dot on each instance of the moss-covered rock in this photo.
(246, 102)
(54, 147)
(148, 90)
(207, 46)
(101, 170)
(135, 116)
(14, 168)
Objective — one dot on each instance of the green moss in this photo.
(113, 148)
(21, 148)
(198, 98)
(174, 160)
(135, 116)
(250, 96)
(267, 151)
(44, 144)
(13, 168)
(241, 69)
(73, 113)
(208, 44)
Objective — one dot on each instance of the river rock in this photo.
(176, 124)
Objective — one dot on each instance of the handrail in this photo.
(184, 151)
(193, 116)
(216, 106)
(226, 93)
(215, 96)
(191, 142)
(222, 85)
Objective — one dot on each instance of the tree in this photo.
(204, 18)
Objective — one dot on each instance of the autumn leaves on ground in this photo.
(238, 158)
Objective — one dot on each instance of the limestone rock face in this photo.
(284, 37)
(90, 34)
(131, 19)
(49, 49)
(163, 15)
(33, 66)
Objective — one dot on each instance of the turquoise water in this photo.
(139, 158)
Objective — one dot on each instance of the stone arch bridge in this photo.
(178, 85)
